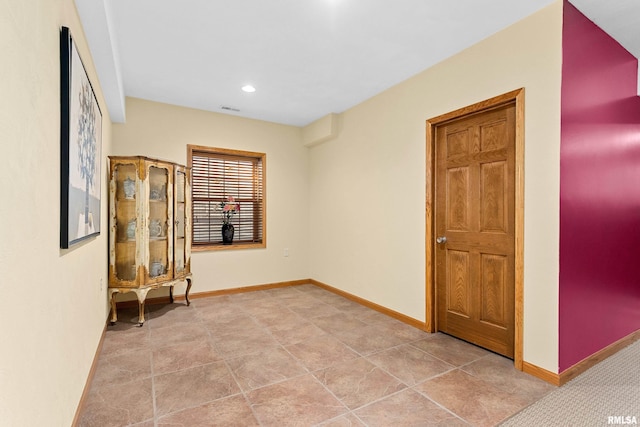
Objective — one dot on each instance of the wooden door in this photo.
(474, 222)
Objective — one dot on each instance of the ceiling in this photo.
(306, 59)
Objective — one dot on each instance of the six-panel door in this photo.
(475, 212)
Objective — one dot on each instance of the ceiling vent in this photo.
(228, 108)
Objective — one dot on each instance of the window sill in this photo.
(221, 247)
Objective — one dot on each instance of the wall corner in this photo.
(322, 130)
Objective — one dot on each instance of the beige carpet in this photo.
(607, 394)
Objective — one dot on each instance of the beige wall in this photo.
(163, 131)
(370, 180)
(53, 307)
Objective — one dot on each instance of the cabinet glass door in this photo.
(126, 195)
(158, 222)
(180, 211)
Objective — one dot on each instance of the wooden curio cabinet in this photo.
(149, 228)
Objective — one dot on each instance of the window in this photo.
(216, 174)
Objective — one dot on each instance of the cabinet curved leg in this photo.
(114, 309)
(186, 295)
(140, 313)
(142, 296)
(171, 294)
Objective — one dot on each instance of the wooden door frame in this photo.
(516, 97)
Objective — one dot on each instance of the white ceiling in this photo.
(306, 58)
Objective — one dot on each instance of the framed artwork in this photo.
(80, 141)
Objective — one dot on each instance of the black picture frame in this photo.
(81, 144)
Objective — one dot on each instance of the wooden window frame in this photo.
(261, 222)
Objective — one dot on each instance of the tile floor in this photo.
(295, 356)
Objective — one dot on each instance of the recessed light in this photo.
(248, 88)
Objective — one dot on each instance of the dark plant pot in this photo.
(227, 234)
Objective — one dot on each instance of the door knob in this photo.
(441, 239)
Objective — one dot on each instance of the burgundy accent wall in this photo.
(599, 191)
